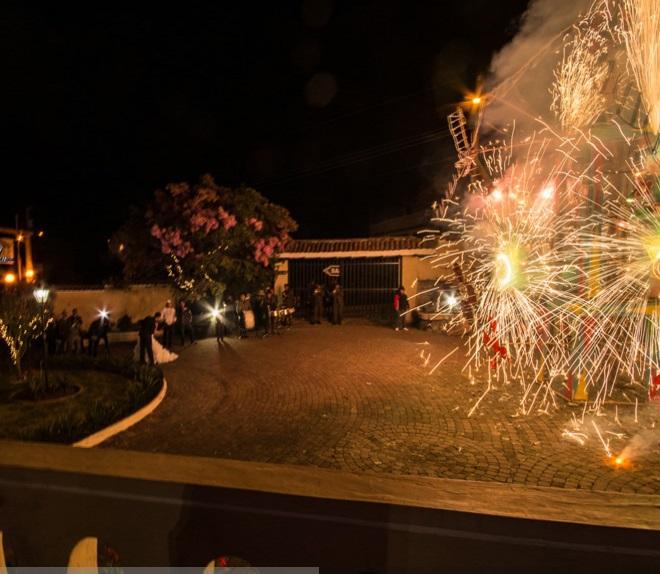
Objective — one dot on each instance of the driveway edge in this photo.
(125, 423)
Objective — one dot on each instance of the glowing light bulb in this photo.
(476, 100)
(452, 300)
(10, 278)
(497, 194)
(41, 295)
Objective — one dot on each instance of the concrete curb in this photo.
(121, 425)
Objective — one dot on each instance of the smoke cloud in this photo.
(641, 444)
(521, 72)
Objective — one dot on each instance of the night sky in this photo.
(336, 110)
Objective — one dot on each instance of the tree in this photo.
(212, 238)
(20, 321)
(138, 251)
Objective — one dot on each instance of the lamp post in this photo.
(41, 295)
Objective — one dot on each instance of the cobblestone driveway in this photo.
(356, 398)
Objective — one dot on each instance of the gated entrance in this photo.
(369, 283)
(370, 269)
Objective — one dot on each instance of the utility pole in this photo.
(19, 237)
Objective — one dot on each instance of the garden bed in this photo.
(90, 395)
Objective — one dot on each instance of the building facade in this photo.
(369, 269)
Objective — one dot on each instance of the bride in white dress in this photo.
(161, 354)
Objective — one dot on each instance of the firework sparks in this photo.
(606, 444)
(476, 405)
(577, 437)
(441, 360)
(640, 31)
(623, 310)
(553, 244)
(577, 91)
(506, 247)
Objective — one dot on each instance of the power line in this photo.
(362, 156)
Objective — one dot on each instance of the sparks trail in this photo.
(552, 238)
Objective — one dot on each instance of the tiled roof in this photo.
(362, 244)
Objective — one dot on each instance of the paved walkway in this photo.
(357, 398)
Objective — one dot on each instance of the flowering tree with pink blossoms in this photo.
(210, 238)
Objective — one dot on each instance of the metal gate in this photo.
(369, 283)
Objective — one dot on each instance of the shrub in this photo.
(145, 383)
(20, 322)
(37, 387)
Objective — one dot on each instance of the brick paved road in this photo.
(356, 398)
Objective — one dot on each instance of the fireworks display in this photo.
(553, 237)
(640, 30)
(577, 92)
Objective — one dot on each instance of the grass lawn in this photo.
(108, 392)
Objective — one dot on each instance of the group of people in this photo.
(170, 320)
(328, 301)
(65, 334)
(264, 313)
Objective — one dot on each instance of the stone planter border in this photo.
(125, 423)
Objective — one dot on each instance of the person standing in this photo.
(240, 312)
(337, 304)
(317, 298)
(259, 309)
(63, 333)
(181, 305)
(185, 320)
(327, 301)
(146, 333)
(230, 317)
(271, 307)
(309, 302)
(98, 331)
(168, 317)
(220, 327)
(74, 339)
(289, 301)
(401, 306)
(51, 335)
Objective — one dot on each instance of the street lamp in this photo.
(41, 295)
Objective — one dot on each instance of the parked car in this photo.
(439, 307)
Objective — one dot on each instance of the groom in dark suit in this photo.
(147, 329)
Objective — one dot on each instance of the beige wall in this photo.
(424, 268)
(135, 301)
(415, 269)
